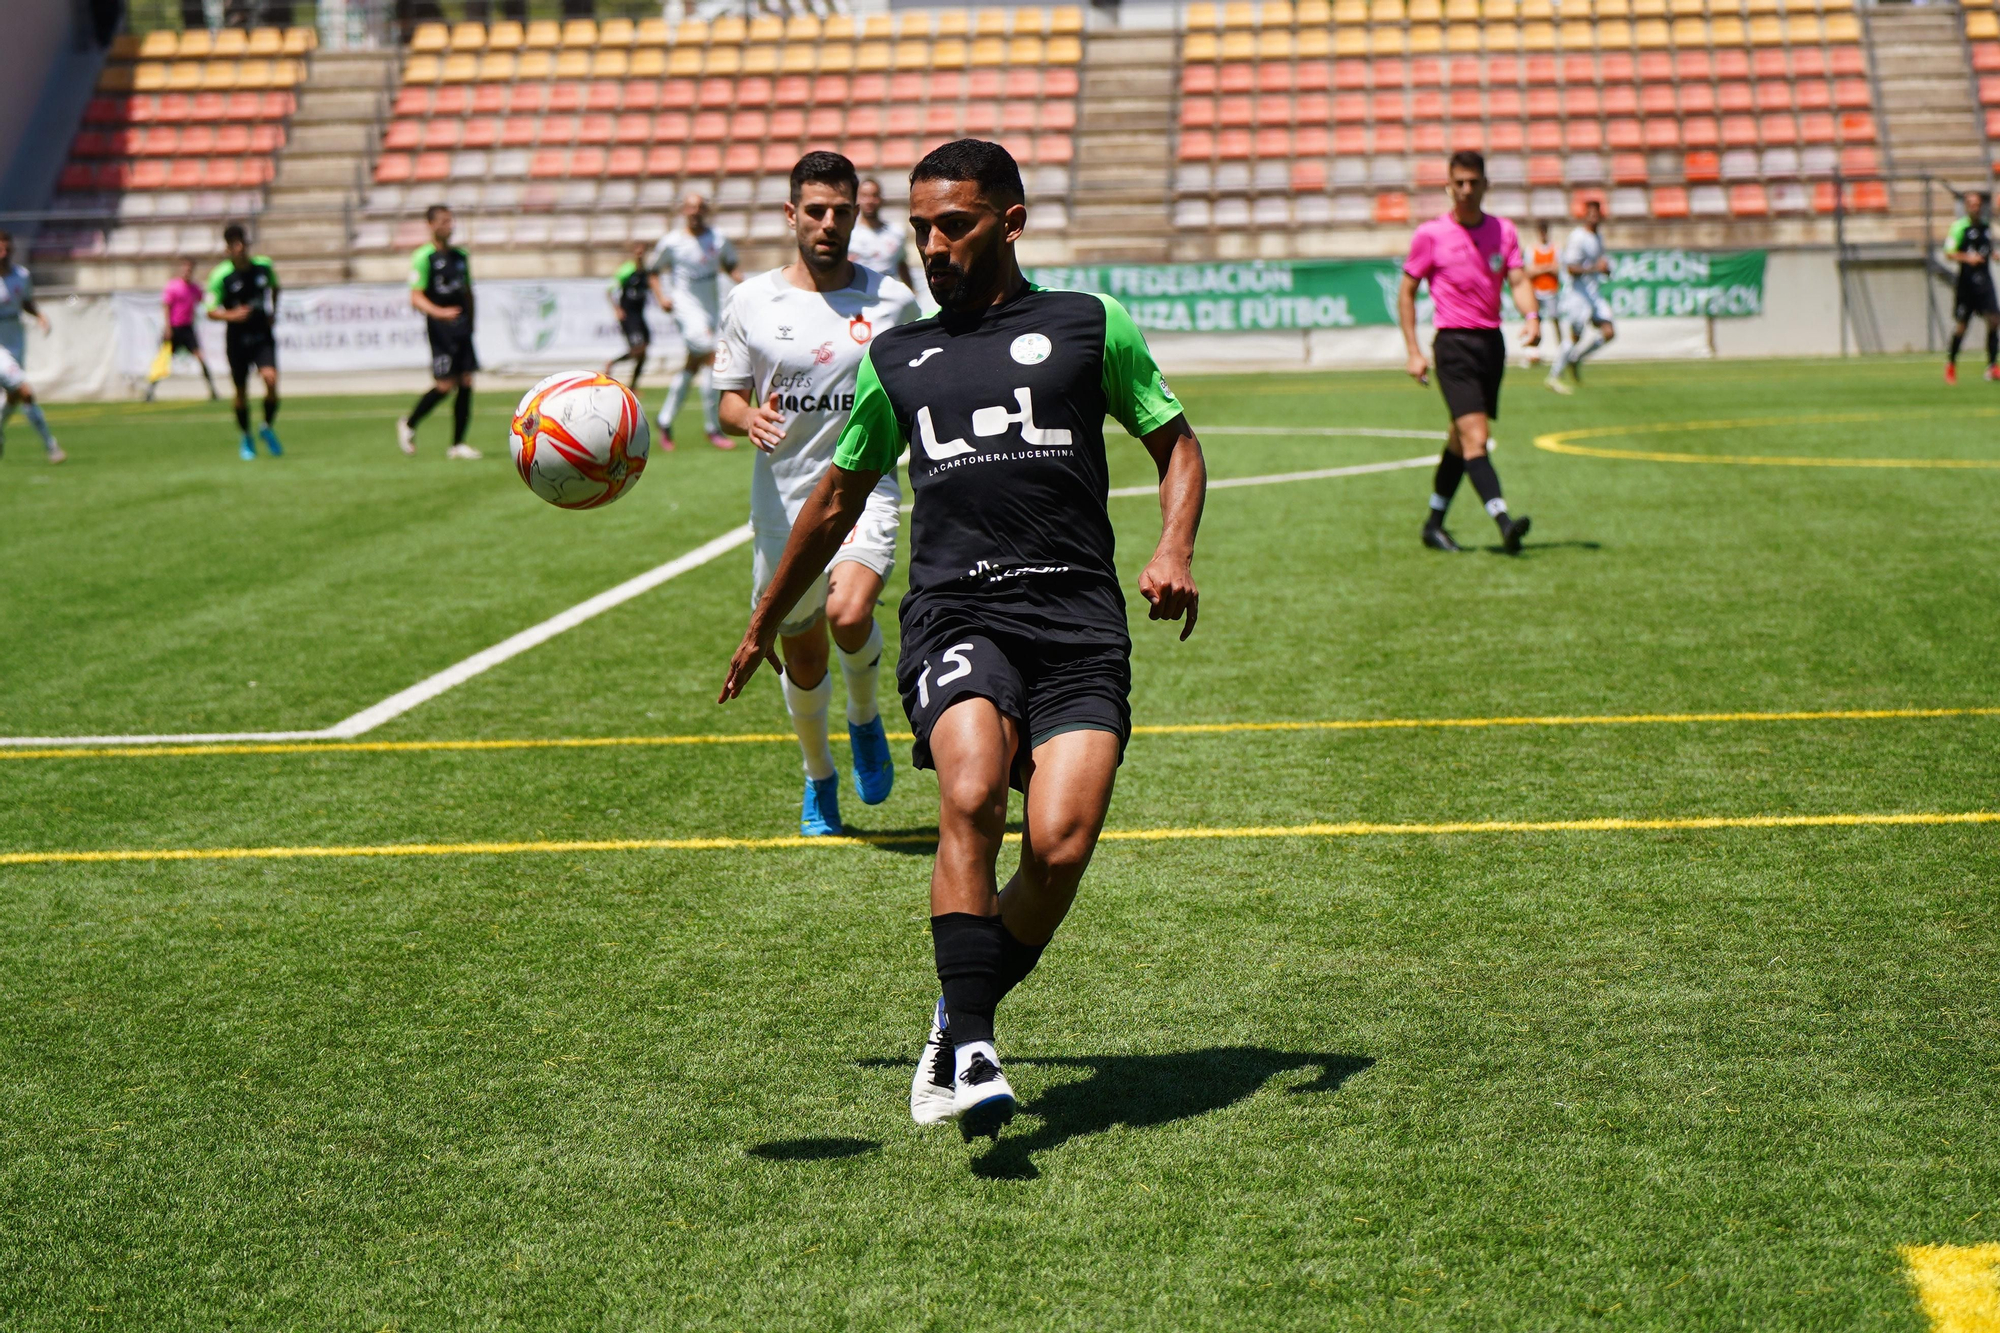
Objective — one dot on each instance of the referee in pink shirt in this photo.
(1466, 255)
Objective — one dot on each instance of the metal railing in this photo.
(350, 23)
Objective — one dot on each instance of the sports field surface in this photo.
(1663, 995)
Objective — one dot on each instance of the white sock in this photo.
(1587, 342)
(808, 709)
(676, 394)
(860, 670)
(33, 412)
(711, 402)
(1563, 358)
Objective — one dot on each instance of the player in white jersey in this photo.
(877, 241)
(1582, 305)
(693, 256)
(17, 298)
(792, 342)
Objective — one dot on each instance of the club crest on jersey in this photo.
(823, 354)
(860, 329)
(1495, 262)
(1030, 349)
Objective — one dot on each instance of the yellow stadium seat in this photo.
(468, 37)
(218, 76)
(911, 55)
(1682, 9)
(872, 57)
(573, 63)
(150, 76)
(1727, 30)
(253, 74)
(1614, 35)
(543, 35)
(497, 67)
(1492, 10)
(993, 22)
(953, 23)
(760, 60)
(506, 36)
(1690, 32)
(839, 28)
(301, 41)
(1614, 9)
(1647, 9)
(125, 46)
(1315, 43)
(580, 32)
(429, 37)
(1065, 21)
(610, 63)
(914, 23)
(1274, 44)
(767, 28)
(1462, 11)
(722, 60)
(1650, 34)
(1829, 6)
(232, 42)
(1350, 41)
(617, 32)
(802, 28)
(1767, 30)
(1195, 47)
(1198, 16)
(160, 45)
(1426, 11)
(1314, 13)
(649, 62)
(1577, 35)
(1238, 46)
(1764, 7)
(460, 67)
(838, 57)
(652, 32)
(1802, 29)
(117, 78)
(1275, 14)
(1385, 41)
(1462, 39)
(1353, 11)
(798, 58)
(988, 52)
(1981, 25)
(694, 32)
(1239, 14)
(536, 66)
(287, 73)
(196, 44)
(1030, 22)
(184, 76)
(1843, 28)
(265, 42)
(877, 27)
(1538, 37)
(1385, 11)
(1426, 39)
(948, 54)
(1540, 10)
(1062, 51)
(1025, 51)
(1503, 37)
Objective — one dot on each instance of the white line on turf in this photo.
(458, 673)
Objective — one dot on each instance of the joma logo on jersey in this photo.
(987, 422)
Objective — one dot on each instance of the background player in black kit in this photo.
(632, 287)
(441, 289)
(1970, 246)
(243, 293)
(1015, 662)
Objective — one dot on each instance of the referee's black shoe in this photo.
(1438, 539)
(1512, 530)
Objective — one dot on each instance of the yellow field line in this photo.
(1958, 1285)
(1561, 442)
(1162, 729)
(1346, 830)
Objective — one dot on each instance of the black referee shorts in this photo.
(181, 338)
(1047, 688)
(1469, 365)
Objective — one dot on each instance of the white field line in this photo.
(459, 672)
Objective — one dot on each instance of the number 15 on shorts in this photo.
(956, 667)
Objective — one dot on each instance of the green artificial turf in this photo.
(1665, 1080)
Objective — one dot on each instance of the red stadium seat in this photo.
(678, 94)
(402, 134)
(549, 164)
(900, 154)
(790, 123)
(903, 120)
(1431, 173)
(643, 95)
(1387, 106)
(1349, 141)
(1197, 79)
(90, 143)
(1233, 112)
(1053, 150)
(864, 155)
(207, 106)
(1390, 140)
(228, 173)
(1581, 102)
(1307, 109)
(1624, 134)
(1426, 105)
(1702, 167)
(595, 129)
(629, 129)
(1350, 108)
(1389, 73)
(865, 122)
(1309, 141)
(1669, 202)
(1739, 131)
(1847, 62)
(1583, 136)
(1778, 129)
(1808, 62)
(443, 133)
(232, 140)
(392, 168)
(1273, 77)
(705, 159)
(1197, 146)
(1655, 67)
(870, 88)
(626, 163)
(1578, 69)
(710, 127)
(1274, 109)
(1506, 136)
(107, 110)
(1852, 94)
(1735, 98)
(1238, 78)
(1628, 169)
(664, 159)
(1466, 104)
(1545, 136)
(146, 109)
(1859, 162)
(1427, 138)
(1392, 209)
(1693, 65)
(1545, 171)
(1503, 104)
(1868, 196)
(1774, 95)
(1061, 81)
(1700, 132)
(160, 141)
(942, 121)
(1812, 94)
(826, 122)
(1749, 201)
(779, 156)
(1541, 69)
(1232, 145)
(1350, 75)
(1308, 177)
(1695, 99)
(1732, 62)
(1271, 143)
(1986, 57)
(1817, 127)
(557, 130)
(1857, 127)
(610, 96)
(76, 178)
(527, 99)
(1426, 72)
(143, 175)
(1544, 104)
(1028, 83)
(1502, 71)
(481, 132)
(982, 119)
(520, 131)
(1464, 72)
(906, 87)
(431, 167)
(749, 125)
(566, 97)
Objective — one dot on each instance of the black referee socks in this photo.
(1487, 482)
(1445, 484)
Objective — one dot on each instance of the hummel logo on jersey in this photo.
(926, 355)
(987, 422)
(784, 333)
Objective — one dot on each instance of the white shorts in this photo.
(1579, 309)
(12, 376)
(872, 543)
(697, 326)
(1545, 306)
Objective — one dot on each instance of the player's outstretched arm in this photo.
(829, 514)
(1168, 581)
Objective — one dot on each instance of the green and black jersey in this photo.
(444, 275)
(632, 286)
(252, 284)
(1003, 414)
(1970, 236)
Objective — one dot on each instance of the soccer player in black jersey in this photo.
(631, 287)
(441, 290)
(1970, 246)
(1015, 662)
(243, 293)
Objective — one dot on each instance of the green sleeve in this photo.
(873, 441)
(625, 271)
(1135, 391)
(420, 266)
(1955, 239)
(215, 280)
(264, 262)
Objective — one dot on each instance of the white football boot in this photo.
(463, 451)
(931, 1092)
(981, 1097)
(406, 437)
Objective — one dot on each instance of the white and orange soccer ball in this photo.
(579, 439)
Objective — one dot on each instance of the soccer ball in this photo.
(579, 439)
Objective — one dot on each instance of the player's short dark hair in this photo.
(1597, 204)
(1980, 195)
(988, 165)
(234, 234)
(431, 213)
(1467, 159)
(7, 239)
(867, 180)
(820, 167)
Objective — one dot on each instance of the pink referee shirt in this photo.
(180, 299)
(1466, 267)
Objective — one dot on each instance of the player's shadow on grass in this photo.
(920, 841)
(812, 1150)
(1530, 548)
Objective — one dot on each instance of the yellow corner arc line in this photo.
(1958, 1285)
(1564, 442)
(1157, 729)
(1610, 824)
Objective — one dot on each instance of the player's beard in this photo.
(822, 263)
(960, 289)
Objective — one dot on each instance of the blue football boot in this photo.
(270, 439)
(819, 812)
(247, 451)
(874, 770)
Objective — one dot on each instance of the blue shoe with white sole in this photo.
(819, 811)
(271, 445)
(247, 451)
(874, 770)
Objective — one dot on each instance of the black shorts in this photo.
(451, 352)
(1469, 365)
(255, 351)
(180, 338)
(1047, 688)
(636, 333)
(1973, 296)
